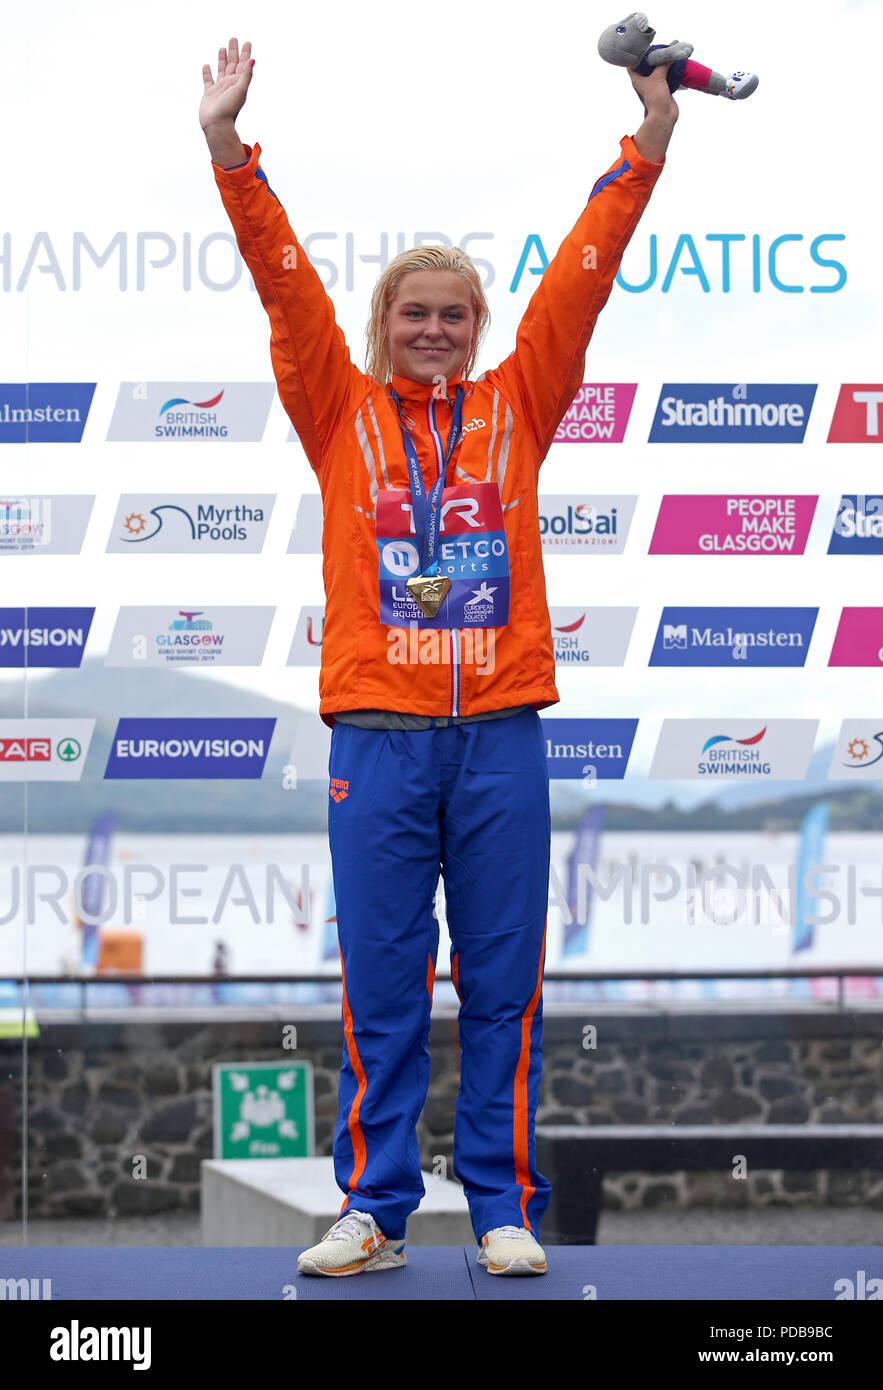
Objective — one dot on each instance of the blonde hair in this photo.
(379, 362)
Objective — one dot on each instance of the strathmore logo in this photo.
(339, 789)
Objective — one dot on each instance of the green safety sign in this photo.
(263, 1110)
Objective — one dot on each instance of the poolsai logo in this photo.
(190, 748)
(580, 522)
(732, 413)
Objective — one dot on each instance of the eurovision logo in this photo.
(44, 412)
(732, 413)
(858, 415)
(44, 750)
(579, 522)
(194, 636)
(735, 750)
(44, 525)
(588, 749)
(858, 527)
(229, 523)
(43, 636)
(733, 636)
(598, 414)
(732, 524)
(306, 645)
(591, 636)
(189, 748)
(174, 410)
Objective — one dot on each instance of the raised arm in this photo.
(316, 379)
(546, 369)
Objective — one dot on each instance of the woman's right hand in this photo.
(223, 100)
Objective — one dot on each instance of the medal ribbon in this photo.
(426, 509)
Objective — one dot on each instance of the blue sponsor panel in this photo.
(588, 749)
(44, 412)
(189, 748)
(733, 636)
(858, 527)
(732, 412)
(43, 636)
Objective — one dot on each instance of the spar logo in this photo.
(44, 412)
(190, 748)
(43, 750)
(39, 750)
(858, 526)
(732, 412)
(43, 636)
(726, 636)
(858, 415)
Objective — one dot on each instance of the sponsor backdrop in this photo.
(711, 508)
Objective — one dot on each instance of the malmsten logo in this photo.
(733, 636)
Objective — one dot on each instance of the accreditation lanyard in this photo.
(426, 509)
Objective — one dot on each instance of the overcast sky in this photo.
(397, 118)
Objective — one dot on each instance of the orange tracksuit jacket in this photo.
(349, 428)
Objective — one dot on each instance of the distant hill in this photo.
(224, 806)
(265, 806)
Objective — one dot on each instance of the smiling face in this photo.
(430, 324)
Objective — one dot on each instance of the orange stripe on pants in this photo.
(357, 1138)
(519, 1124)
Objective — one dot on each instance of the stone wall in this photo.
(105, 1090)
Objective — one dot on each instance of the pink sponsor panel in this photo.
(732, 524)
(859, 638)
(598, 414)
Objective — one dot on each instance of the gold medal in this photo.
(429, 591)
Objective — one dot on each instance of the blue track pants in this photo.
(470, 801)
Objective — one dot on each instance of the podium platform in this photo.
(442, 1273)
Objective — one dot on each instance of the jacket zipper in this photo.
(454, 632)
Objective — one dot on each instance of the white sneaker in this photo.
(353, 1245)
(511, 1250)
(740, 85)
